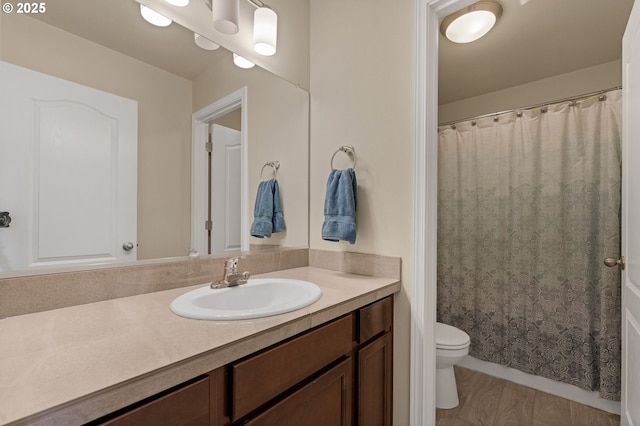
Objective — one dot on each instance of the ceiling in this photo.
(532, 41)
(117, 24)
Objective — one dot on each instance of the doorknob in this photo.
(612, 261)
(5, 219)
(128, 246)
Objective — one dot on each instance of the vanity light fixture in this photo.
(225, 15)
(265, 22)
(153, 17)
(242, 62)
(204, 43)
(265, 31)
(179, 3)
(472, 22)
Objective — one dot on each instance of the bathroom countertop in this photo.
(72, 365)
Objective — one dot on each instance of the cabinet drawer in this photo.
(262, 377)
(375, 318)
(325, 401)
(188, 406)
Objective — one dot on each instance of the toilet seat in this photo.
(450, 338)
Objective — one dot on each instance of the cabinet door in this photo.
(260, 378)
(187, 406)
(375, 374)
(325, 401)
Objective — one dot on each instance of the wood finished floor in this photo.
(487, 400)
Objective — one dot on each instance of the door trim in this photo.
(422, 410)
(199, 134)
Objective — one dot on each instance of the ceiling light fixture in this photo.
(242, 62)
(225, 16)
(472, 22)
(179, 3)
(205, 43)
(153, 17)
(265, 31)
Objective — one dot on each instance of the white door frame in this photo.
(425, 187)
(199, 181)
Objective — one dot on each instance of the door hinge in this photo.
(209, 146)
(208, 225)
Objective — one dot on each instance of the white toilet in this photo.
(452, 344)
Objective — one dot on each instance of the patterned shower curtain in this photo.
(528, 208)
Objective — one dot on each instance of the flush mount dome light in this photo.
(472, 22)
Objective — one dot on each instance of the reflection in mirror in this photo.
(107, 46)
(224, 191)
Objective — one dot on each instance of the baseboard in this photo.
(543, 384)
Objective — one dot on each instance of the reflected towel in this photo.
(340, 206)
(267, 213)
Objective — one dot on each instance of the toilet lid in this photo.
(449, 336)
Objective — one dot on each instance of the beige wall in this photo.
(164, 121)
(362, 95)
(587, 80)
(278, 118)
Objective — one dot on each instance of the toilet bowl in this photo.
(452, 344)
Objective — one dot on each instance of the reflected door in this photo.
(225, 187)
(68, 161)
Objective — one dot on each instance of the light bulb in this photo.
(204, 43)
(242, 62)
(153, 17)
(265, 31)
(179, 3)
(225, 15)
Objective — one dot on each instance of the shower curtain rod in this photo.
(571, 98)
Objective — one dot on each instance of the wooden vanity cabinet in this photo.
(262, 377)
(326, 401)
(187, 404)
(358, 390)
(374, 383)
(339, 373)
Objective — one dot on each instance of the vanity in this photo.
(122, 360)
(338, 373)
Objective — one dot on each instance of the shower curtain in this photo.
(528, 208)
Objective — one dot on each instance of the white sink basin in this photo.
(261, 297)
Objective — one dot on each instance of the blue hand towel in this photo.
(267, 213)
(278, 217)
(340, 206)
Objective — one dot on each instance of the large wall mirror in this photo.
(105, 45)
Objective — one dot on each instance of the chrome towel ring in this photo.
(347, 149)
(275, 165)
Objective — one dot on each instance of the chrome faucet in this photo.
(231, 276)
